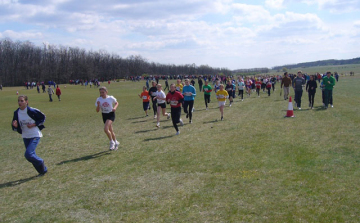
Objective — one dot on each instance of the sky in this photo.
(231, 34)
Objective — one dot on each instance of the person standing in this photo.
(207, 93)
(221, 96)
(286, 82)
(108, 105)
(152, 93)
(29, 122)
(298, 88)
(175, 99)
(329, 83)
(58, 92)
(189, 93)
(311, 86)
(50, 92)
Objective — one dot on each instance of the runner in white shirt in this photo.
(160, 97)
(108, 105)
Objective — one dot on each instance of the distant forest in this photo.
(23, 61)
(318, 63)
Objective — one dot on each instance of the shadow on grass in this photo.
(135, 118)
(158, 138)
(208, 122)
(140, 121)
(84, 158)
(16, 182)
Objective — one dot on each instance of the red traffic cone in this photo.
(290, 111)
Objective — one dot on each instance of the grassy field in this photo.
(255, 166)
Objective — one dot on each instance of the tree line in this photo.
(23, 61)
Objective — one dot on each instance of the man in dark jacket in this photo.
(298, 84)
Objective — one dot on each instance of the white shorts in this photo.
(222, 103)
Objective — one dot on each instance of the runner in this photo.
(108, 105)
(29, 122)
(217, 86)
(58, 92)
(311, 86)
(241, 86)
(207, 93)
(221, 96)
(258, 86)
(268, 86)
(248, 86)
(152, 93)
(179, 86)
(189, 93)
(146, 98)
(175, 98)
(161, 105)
(230, 90)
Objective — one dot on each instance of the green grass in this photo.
(255, 166)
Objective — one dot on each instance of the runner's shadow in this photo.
(135, 118)
(213, 121)
(139, 121)
(158, 138)
(84, 158)
(16, 182)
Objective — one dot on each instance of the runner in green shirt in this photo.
(207, 91)
(329, 83)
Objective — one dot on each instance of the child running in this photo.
(160, 97)
(146, 98)
(29, 122)
(175, 99)
(222, 95)
(230, 90)
(258, 86)
(207, 93)
(108, 105)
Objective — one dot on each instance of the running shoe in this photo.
(155, 117)
(117, 143)
(207, 108)
(230, 105)
(190, 121)
(177, 133)
(332, 106)
(299, 108)
(222, 118)
(181, 122)
(158, 125)
(187, 115)
(168, 116)
(112, 145)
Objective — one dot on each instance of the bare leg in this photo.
(108, 125)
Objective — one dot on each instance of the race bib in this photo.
(173, 102)
(153, 94)
(221, 96)
(205, 89)
(144, 97)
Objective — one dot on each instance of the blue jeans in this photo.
(30, 155)
(298, 95)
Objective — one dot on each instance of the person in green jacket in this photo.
(207, 90)
(329, 83)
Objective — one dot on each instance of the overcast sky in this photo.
(220, 33)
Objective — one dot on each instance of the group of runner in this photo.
(30, 121)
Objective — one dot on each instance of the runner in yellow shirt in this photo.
(221, 96)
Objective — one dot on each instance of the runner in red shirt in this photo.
(175, 99)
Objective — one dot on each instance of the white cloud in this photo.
(336, 6)
(20, 35)
(276, 4)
